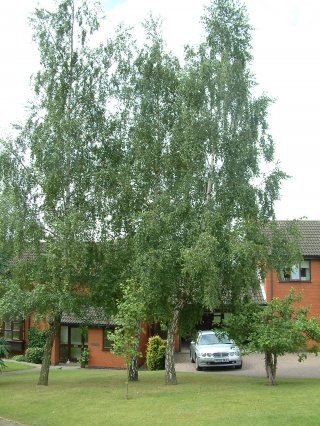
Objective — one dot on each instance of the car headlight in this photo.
(236, 351)
(204, 354)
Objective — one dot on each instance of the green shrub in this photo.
(84, 357)
(36, 337)
(34, 355)
(19, 358)
(156, 351)
(3, 352)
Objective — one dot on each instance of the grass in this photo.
(96, 397)
(13, 366)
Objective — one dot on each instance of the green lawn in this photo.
(13, 366)
(96, 397)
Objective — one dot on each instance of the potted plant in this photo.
(84, 357)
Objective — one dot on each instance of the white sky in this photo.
(286, 63)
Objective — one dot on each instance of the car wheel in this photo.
(198, 368)
(191, 358)
(238, 367)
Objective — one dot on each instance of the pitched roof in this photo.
(259, 296)
(91, 317)
(310, 236)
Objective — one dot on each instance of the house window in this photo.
(107, 342)
(299, 272)
(13, 330)
(72, 341)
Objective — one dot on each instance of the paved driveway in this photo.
(253, 365)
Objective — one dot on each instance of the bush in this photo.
(36, 337)
(84, 357)
(19, 358)
(3, 352)
(34, 355)
(3, 348)
(36, 341)
(156, 353)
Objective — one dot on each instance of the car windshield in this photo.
(212, 339)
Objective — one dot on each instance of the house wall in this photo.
(55, 352)
(310, 289)
(100, 357)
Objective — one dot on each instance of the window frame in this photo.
(66, 347)
(5, 329)
(282, 278)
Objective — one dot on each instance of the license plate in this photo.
(221, 360)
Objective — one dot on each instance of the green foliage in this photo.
(20, 358)
(3, 352)
(3, 347)
(2, 365)
(54, 173)
(284, 245)
(37, 337)
(84, 356)
(57, 174)
(199, 143)
(190, 315)
(36, 343)
(130, 313)
(34, 355)
(241, 325)
(282, 326)
(165, 156)
(156, 351)
(279, 327)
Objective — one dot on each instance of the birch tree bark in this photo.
(54, 327)
(171, 376)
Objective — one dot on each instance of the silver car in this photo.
(214, 349)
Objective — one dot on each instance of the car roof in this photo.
(206, 332)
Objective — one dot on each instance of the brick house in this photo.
(304, 276)
(75, 334)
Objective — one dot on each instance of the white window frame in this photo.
(295, 272)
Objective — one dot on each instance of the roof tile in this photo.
(310, 236)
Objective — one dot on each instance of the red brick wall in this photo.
(98, 356)
(55, 353)
(310, 290)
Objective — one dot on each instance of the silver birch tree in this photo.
(52, 170)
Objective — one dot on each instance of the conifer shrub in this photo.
(156, 352)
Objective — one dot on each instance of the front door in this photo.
(72, 340)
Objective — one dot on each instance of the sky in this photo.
(286, 52)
